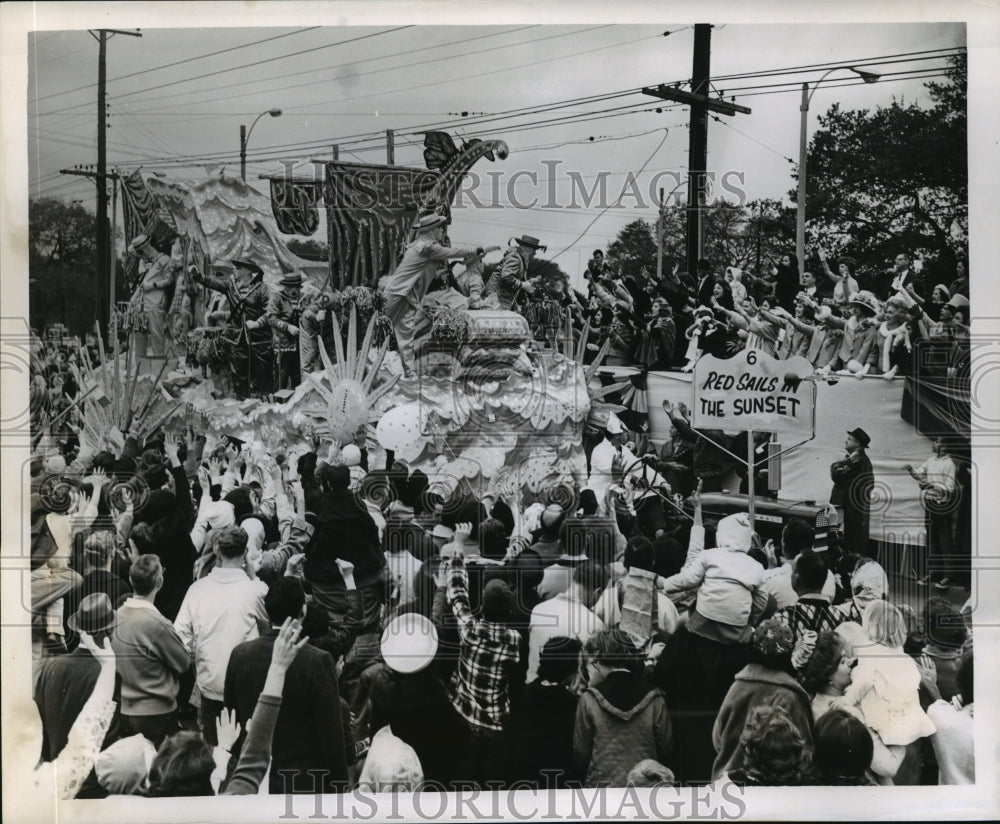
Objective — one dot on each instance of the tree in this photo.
(61, 252)
(892, 180)
(634, 249)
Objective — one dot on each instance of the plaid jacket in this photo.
(816, 614)
(479, 686)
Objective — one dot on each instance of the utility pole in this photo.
(659, 240)
(335, 151)
(701, 104)
(103, 263)
(390, 147)
(102, 170)
(698, 145)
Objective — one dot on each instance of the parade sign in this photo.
(753, 391)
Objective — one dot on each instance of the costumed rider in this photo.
(315, 308)
(471, 282)
(283, 311)
(512, 276)
(249, 337)
(613, 463)
(405, 288)
(152, 298)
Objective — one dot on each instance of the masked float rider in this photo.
(249, 337)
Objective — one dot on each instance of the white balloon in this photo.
(401, 428)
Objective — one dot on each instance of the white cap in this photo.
(614, 425)
(350, 455)
(409, 643)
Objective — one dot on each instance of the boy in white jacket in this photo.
(730, 597)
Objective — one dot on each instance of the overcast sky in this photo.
(334, 84)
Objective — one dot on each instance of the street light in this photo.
(800, 220)
(245, 136)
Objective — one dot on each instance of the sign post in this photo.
(754, 392)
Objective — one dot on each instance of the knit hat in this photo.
(392, 765)
(56, 465)
(734, 532)
(122, 769)
(773, 638)
(869, 583)
(350, 455)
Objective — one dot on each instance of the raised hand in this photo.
(105, 655)
(98, 478)
(170, 447)
(227, 729)
(293, 569)
(287, 644)
(696, 495)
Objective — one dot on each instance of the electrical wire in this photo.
(254, 64)
(177, 63)
(324, 143)
(641, 170)
(864, 61)
(353, 77)
(463, 77)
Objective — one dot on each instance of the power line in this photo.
(313, 71)
(579, 117)
(495, 117)
(176, 63)
(641, 170)
(269, 153)
(455, 79)
(864, 61)
(249, 65)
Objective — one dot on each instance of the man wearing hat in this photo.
(65, 682)
(611, 461)
(283, 311)
(853, 480)
(152, 298)
(405, 288)
(249, 338)
(407, 695)
(511, 277)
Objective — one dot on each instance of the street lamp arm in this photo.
(823, 77)
(258, 117)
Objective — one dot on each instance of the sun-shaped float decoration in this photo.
(348, 385)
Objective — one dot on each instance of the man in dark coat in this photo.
(65, 683)
(250, 335)
(308, 753)
(343, 529)
(853, 480)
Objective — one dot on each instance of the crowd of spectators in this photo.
(451, 640)
(841, 321)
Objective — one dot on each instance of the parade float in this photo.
(489, 408)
